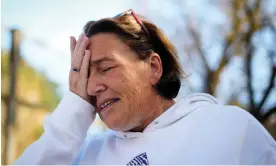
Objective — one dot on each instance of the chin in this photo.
(111, 122)
(116, 125)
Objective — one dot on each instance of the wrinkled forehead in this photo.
(108, 45)
(105, 42)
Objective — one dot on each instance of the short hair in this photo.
(127, 28)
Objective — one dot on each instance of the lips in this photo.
(107, 103)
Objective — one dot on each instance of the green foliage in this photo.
(32, 86)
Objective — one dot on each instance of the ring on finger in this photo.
(75, 69)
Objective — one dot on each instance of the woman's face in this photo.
(120, 83)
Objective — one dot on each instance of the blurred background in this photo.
(228, 49)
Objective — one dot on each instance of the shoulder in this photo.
(238, 124)
(208, 112)
(226, 112)
(232, 116)
(205, 105)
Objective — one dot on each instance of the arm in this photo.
(65, 130)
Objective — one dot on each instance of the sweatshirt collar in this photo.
(180, 109)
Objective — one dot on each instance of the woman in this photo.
(127, 71)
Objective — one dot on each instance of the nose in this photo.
(95, 86)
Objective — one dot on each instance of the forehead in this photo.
(103, 43)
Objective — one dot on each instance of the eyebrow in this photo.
(100, 60)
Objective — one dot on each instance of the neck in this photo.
(157, 107)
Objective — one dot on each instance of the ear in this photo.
(156, 68)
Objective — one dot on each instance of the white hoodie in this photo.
(195, 130)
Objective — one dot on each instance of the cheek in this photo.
(133, 89)
(137, 88)
(138, 75)
(130, 83)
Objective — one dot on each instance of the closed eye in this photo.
(107, 69)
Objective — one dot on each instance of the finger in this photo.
(85, 65)
(73, 43)
(78, 58)
(83, 46)
(78, 44)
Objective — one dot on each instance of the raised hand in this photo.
(78, 76)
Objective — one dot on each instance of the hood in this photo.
(179, 110)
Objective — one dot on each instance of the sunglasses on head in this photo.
(131, 12)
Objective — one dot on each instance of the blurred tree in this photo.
(249, 34)
(248, 19)
(33, 88)
(35, 97)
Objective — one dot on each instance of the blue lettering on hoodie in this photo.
(141, 159)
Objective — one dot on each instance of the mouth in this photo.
(108, 103)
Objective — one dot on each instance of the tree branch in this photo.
(273, 71)
(28, 104)
(225, 58)
(248, 64)
(266, 116)
(209, 73)
(222, 63)
(271, 82)
(198, 45)
(249, 55)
